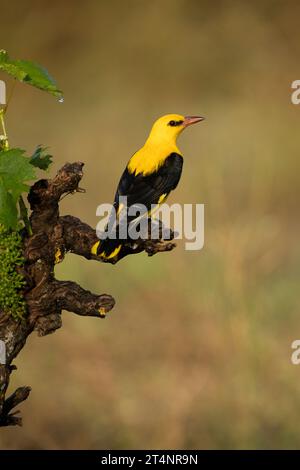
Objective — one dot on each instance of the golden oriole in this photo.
(150, 175)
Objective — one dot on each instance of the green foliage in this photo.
(40, 158)
(29, 72)
(15, 170)
(11, 281)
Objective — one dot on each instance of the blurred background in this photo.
(197, 351)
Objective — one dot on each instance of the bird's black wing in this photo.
(148, 189)
(140, 189)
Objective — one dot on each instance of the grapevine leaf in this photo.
(29, 72)
(8, 209)
(40, 158)
(15, 170)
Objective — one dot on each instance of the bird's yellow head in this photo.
(167, 128)
(160, 143)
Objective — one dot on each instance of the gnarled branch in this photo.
(53, 236)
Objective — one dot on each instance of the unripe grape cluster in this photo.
(11, 281)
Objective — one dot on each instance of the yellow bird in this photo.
(150, 175)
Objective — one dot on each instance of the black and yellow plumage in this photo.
(151, 173)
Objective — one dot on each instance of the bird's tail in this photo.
(107, 249)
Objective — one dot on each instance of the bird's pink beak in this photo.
(189, 120)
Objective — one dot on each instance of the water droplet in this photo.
(61, 100)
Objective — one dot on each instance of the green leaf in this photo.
(15, 170)
(8, 209)
(29, 72)
(40, 158)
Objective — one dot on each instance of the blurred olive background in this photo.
(197, 352)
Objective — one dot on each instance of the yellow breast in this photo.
(160, 144)
(149, 158)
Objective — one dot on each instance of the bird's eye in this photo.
(175, 123)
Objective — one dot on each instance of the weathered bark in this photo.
(53, 236)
